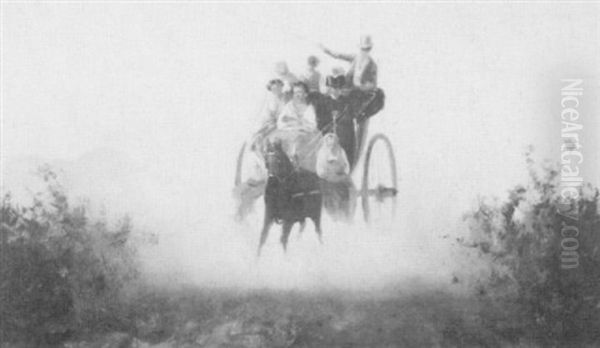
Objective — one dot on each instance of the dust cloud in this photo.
(143, 113)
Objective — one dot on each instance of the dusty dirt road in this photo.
(267, 318)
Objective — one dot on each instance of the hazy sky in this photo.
(148, 78)
(176, 88)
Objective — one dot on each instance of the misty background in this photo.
(142, 108)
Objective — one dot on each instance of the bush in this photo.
(520, 238)
(60, 272)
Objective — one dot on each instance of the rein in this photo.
(329, 126)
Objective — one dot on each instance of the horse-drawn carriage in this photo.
(377, 188)
(377, 192)
(309, 170)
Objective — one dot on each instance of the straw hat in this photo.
(366, 42)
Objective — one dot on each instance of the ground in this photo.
(268, 318)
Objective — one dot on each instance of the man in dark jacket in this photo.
(335, 115)
(366, 98)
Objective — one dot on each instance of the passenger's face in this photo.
(277, 88)
(335, 92)
(299, 94)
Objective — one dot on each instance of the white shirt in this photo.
(360, 64)
(297, 117)
(273, 108)
(313, 80)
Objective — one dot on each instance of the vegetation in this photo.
(520, 239)
(66, 277)
(61, 273)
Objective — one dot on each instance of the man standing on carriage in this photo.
(361, 78)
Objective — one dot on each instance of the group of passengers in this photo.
(300, 110)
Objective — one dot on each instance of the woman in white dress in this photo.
(297, 114)
(297, 128)
(273, 106)
(254, 164)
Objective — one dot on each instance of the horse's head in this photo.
(277, 162)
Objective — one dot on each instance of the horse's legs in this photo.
(302, 227)
(265, 231)
(286, 229)
(317, 221)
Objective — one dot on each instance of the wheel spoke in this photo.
(379, 191)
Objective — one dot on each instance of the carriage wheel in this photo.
(238, 167)
(379, 183)
(245, 193)
(361, 139)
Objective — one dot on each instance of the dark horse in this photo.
(291, 195)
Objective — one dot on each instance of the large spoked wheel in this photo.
(247, 189)
(239, 166)
(379, 183)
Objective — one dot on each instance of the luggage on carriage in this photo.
(379, 179)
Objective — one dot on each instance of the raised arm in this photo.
(336, 55)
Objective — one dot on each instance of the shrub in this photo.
(521, 238)
(60, 272)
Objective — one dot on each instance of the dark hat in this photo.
(274, 82)
(335, 81)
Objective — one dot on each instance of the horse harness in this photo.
(300, 194)
(282, 182)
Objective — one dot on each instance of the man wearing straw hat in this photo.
(366, 97)
(363, 69)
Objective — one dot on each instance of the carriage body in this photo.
(378, 179)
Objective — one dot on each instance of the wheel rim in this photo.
(377, 191)
(238, 168)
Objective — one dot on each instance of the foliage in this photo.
(60, 271)
(521, 239)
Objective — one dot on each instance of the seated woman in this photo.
(297, 128)
(276, 100)
(250, 190)
(298, 114)
(274, 104)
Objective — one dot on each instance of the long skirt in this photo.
(347, 137)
